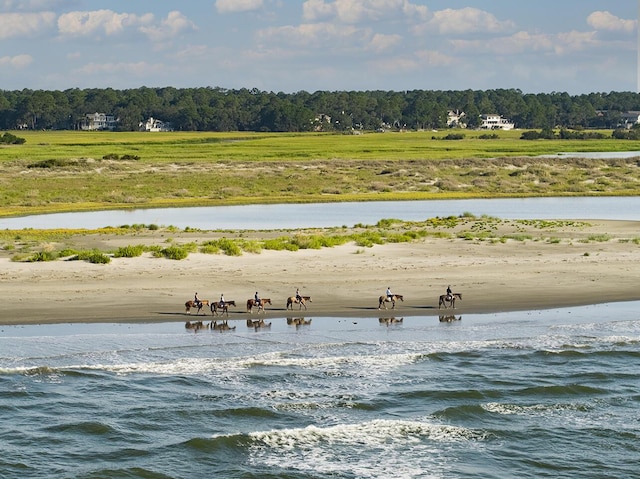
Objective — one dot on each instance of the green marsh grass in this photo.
(80, 171)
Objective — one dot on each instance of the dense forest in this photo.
(219, 109)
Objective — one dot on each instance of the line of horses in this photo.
(217, 308)
(445, 301)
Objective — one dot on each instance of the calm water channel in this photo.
(292, 216)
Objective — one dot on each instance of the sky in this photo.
(536, 46)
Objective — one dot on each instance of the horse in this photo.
(389, 299)
(192, 304)
(252, 302)
(444, 300)
(292, 299)
(215, 306)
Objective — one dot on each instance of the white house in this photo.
(153, 124)
(455, 119)
(98, 121)
(495, 122)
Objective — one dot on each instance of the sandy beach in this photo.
(343, 281)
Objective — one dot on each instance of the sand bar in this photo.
(344, 281)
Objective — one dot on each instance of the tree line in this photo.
(219, 109)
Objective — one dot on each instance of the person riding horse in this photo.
(449, 293)
(256, 299)
(389, 293)
(222, 300)
(298, 297)
(196, 301)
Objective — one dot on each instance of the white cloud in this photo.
(608, 21)
(234, 6)
(381, 42)
(25, 24)
(174, 24)
(523, 42)
(311, 34)
(355, 11)
(465, 20)
(139, 69)
(100, 21)
(18, 61)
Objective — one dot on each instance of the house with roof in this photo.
(629, 118)
(98, 121)
(495, 122)
(153, 124)
(455, 119)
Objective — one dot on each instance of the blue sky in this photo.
(575, 46)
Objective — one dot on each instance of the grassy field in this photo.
(79, 171)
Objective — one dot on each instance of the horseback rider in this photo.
(197, 302)
(256, 299)
(389, 293)
(222, 300)
(298, 297)
(449, 293)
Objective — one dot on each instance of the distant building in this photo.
(495, 122)
(98, 121)
(153, 124)
(629, 118)
(455, 119)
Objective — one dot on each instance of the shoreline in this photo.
(343, 281)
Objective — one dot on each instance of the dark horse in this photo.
(452, 302)
(224, 308)
(252, 302)
(192, 304)
(389, 299)
(292, 299)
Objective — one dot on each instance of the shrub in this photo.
(43, 256)
(130, 251)
(10, 139)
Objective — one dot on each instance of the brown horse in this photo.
(252, 302)
(292, 299)
(215, 306)
(389, 299)
(452, 302)
(192, 304)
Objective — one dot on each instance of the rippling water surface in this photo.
(530, 394)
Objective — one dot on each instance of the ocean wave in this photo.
(534, 409)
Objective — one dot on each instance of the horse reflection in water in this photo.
(298, 322)
(258, 324)
(214, 325)
(390, 321)
(449, 318)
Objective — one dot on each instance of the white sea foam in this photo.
(378, 448)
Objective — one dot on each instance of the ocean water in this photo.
(552, 393)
